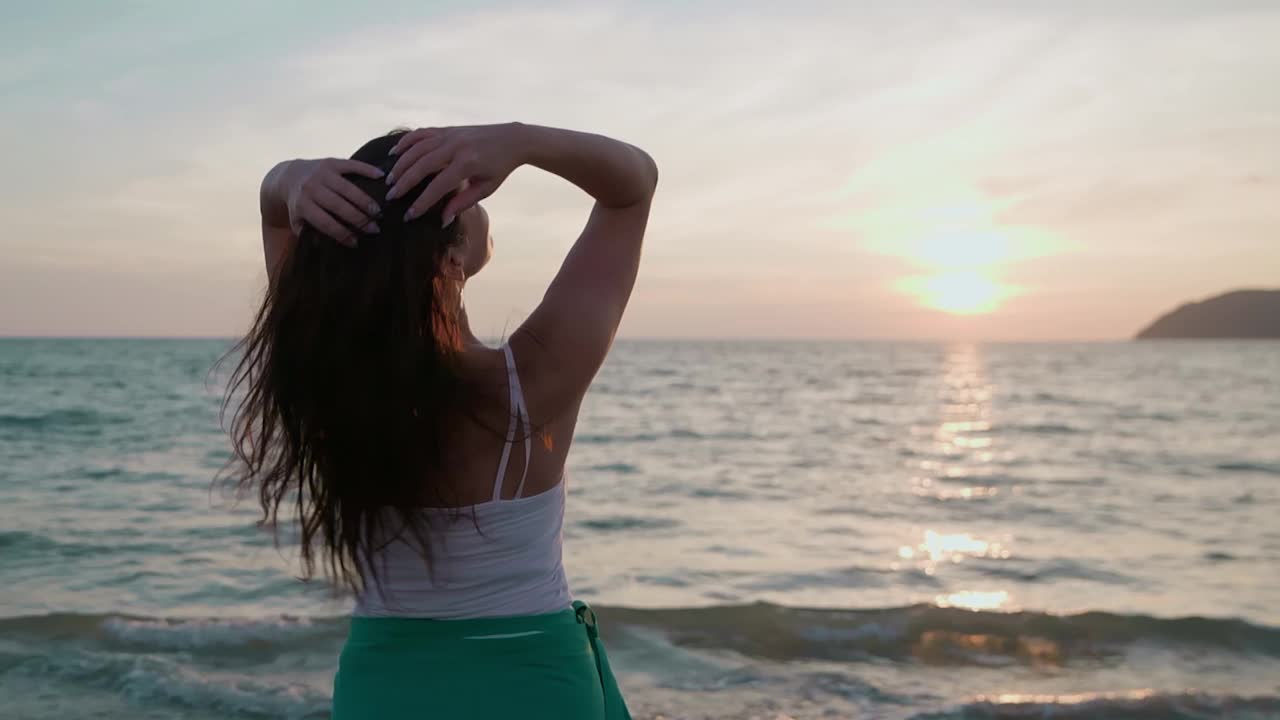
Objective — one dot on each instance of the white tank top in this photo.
(506, 561)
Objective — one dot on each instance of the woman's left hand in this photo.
(318, 195)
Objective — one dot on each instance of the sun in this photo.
(957, 241)
(962, 292)
(960, 260)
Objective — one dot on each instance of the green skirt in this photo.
(539, 666)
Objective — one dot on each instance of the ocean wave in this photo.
(206, 634)
(27, 546)
(169, 634)
(18, 538)
(917, 633)
(1136, 705)
(59, 420)
(938, 635)
(151, 680)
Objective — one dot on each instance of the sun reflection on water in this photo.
(1070, 699)
(960, 448)
(974, 599)
(938, 547)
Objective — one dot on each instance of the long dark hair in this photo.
(348, 384)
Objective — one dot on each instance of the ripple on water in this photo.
(617, 523)
(1032, 571)
(851, 577)
(731, 551)
(1262, 468)
(717, 492)
(615, 468)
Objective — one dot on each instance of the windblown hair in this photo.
(348, 384)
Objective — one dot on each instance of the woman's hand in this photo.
(472, 160)
(330, 203)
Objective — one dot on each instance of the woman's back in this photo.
(499, 555)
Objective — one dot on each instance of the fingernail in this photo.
(372, 228)
(393, 193)
(395, 149)
(412, 214)
(391, 178)
(448, 220)
(374, 209)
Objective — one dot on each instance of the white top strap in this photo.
(519, 406)
(511, 427)
(519, 414)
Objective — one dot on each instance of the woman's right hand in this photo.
(473, 160)
(321, 197)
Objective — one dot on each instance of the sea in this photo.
(770, 530)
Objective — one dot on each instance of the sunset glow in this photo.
(912, 182)
(961, 250)
(960, 293)
(955, 238)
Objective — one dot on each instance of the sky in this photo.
(917, 170)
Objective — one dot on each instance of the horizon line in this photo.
(658, 339)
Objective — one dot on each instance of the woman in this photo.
(424, 468)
